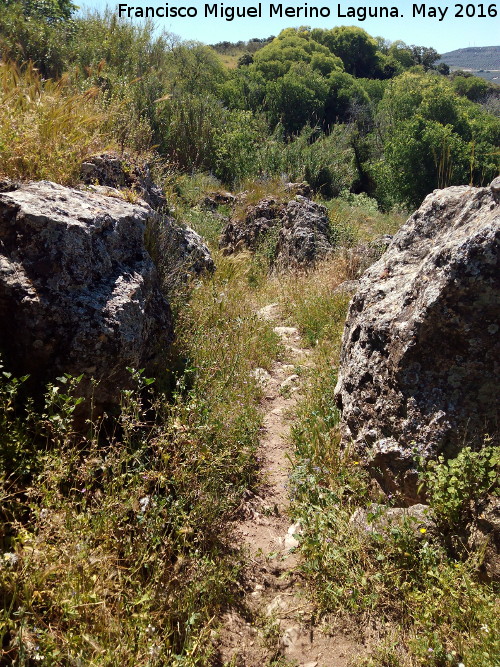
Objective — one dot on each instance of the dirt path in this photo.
(275, 619)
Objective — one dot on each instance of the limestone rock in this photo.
(6, 185)
(362, 256)
(304, 237)
(297, 232)
(248, 233)
(78, 291)
(179, 253)
(420, 361)
(122, 171)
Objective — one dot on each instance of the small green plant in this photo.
(455, 486)
(361, 200)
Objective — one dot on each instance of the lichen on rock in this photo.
(79, 293)
(420, 362)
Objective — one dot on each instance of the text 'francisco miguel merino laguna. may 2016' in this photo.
(306, 11)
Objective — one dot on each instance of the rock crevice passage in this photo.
(276, 619)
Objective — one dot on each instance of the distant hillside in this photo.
(474, 58)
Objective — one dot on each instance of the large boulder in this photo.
(179, 252)
(78, 291)
(420, 362)
(296, 232)
(304, 237)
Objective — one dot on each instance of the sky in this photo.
(444, 35)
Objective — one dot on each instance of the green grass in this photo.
(47, 128)
(431, 605)
(120, 543)
(116, 545)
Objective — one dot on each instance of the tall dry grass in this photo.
(46, 127)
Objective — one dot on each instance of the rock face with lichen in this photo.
(123, 172)
(297, 232)
(78, 291)
(420, 362)
(305, 236)
(180, 253)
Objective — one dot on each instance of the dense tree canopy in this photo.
(354, 46)
(344, 109)
(49, 10)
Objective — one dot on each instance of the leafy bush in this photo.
(433, 138)
(456, 485)
(36, 31)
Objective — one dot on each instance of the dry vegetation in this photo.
(47, 128)
(115, 545)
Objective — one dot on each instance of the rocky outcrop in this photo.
(123, 172)
(6, 185)
(420, 362)
(78, 291)
(304, 237)
(297, 232)
(179, 253)
(250, 232)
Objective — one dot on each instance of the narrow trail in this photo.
(276, 620)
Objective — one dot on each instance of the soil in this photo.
(275, 623)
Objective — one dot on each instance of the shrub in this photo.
(455, 486)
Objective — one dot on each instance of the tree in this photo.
(474, 88)
(30, 31)
(401, 53)
(297, 99)
(345, 94)
(434, 138)
(422, 55)
(50, 10)
(291, 47)
(245, 60)
(354, 46)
